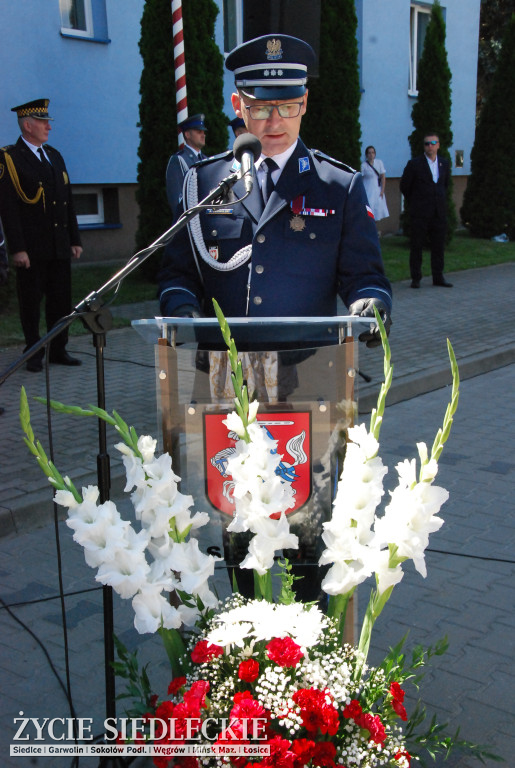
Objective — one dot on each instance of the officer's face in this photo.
(195, 138)
(276, 133)
(36, 131)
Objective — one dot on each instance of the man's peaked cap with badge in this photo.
(37, 108)
(195, 121)
(272, 67)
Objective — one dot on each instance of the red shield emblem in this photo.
(291, 429)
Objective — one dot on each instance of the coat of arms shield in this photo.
(291, 430)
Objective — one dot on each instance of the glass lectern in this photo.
(303, 371)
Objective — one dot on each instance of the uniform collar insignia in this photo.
(303, 164)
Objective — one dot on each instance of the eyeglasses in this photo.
(427, 143)
(264, 111)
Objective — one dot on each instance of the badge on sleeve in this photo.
(303, 164)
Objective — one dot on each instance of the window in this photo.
(76, 17)
(89, 206)
(97, 207)
(84, 19)
(419, 19)
(233, 24)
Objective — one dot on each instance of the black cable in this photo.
(75, 760)
(51, 597)
(473, 557)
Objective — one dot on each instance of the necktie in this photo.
(268, 165)
(47, 165)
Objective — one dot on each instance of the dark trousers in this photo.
(50, 280)
(422, 229)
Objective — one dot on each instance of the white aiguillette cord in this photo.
(236, 260)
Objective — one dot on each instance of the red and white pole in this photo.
(179, 66)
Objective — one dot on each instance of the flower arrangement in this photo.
(262, 682)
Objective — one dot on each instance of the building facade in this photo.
(83, 55)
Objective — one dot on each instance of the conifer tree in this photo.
(158, 115)
(489, 201)
(431, 112)
(331, 123)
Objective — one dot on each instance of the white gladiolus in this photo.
(234, 423)
(271, 535)
(258, 491)
(152, 610)
(348, 535)
(356, 539)
(195, 568)
(147, 447)
(126, 572)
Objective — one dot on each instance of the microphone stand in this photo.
(97, 318)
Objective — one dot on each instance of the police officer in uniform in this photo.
(194, 132)
(41, 229)
(313, 238)
(303, 236)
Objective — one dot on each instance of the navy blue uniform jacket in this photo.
(176, 170)
(293, 271)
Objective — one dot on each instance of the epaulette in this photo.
(211, 158)
(322, 156)
(6, 148)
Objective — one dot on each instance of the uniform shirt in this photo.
(433, 167)
(36, 149)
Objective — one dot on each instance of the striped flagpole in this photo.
(181, 100)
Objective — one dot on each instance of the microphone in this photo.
(246, 150)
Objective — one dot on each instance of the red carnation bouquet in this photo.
(270, 684)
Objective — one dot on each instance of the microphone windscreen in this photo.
(246, 142)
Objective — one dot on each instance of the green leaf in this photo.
(175, 650)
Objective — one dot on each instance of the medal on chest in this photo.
(297, 223)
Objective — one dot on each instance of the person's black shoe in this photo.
(63, 358)
(415, 284)
(442, 283)
(34, 365)
(2, 410)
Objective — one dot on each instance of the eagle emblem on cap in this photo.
(273, 49)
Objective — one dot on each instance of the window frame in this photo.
(97, 219)
(88, 15)
(416, 10)
(236, 27)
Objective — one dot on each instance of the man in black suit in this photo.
(40, 227)
(424, 185)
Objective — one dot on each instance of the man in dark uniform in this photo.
(424, 185)
(40, 227)
(314, 238)
(194, 132)
(293, 245)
